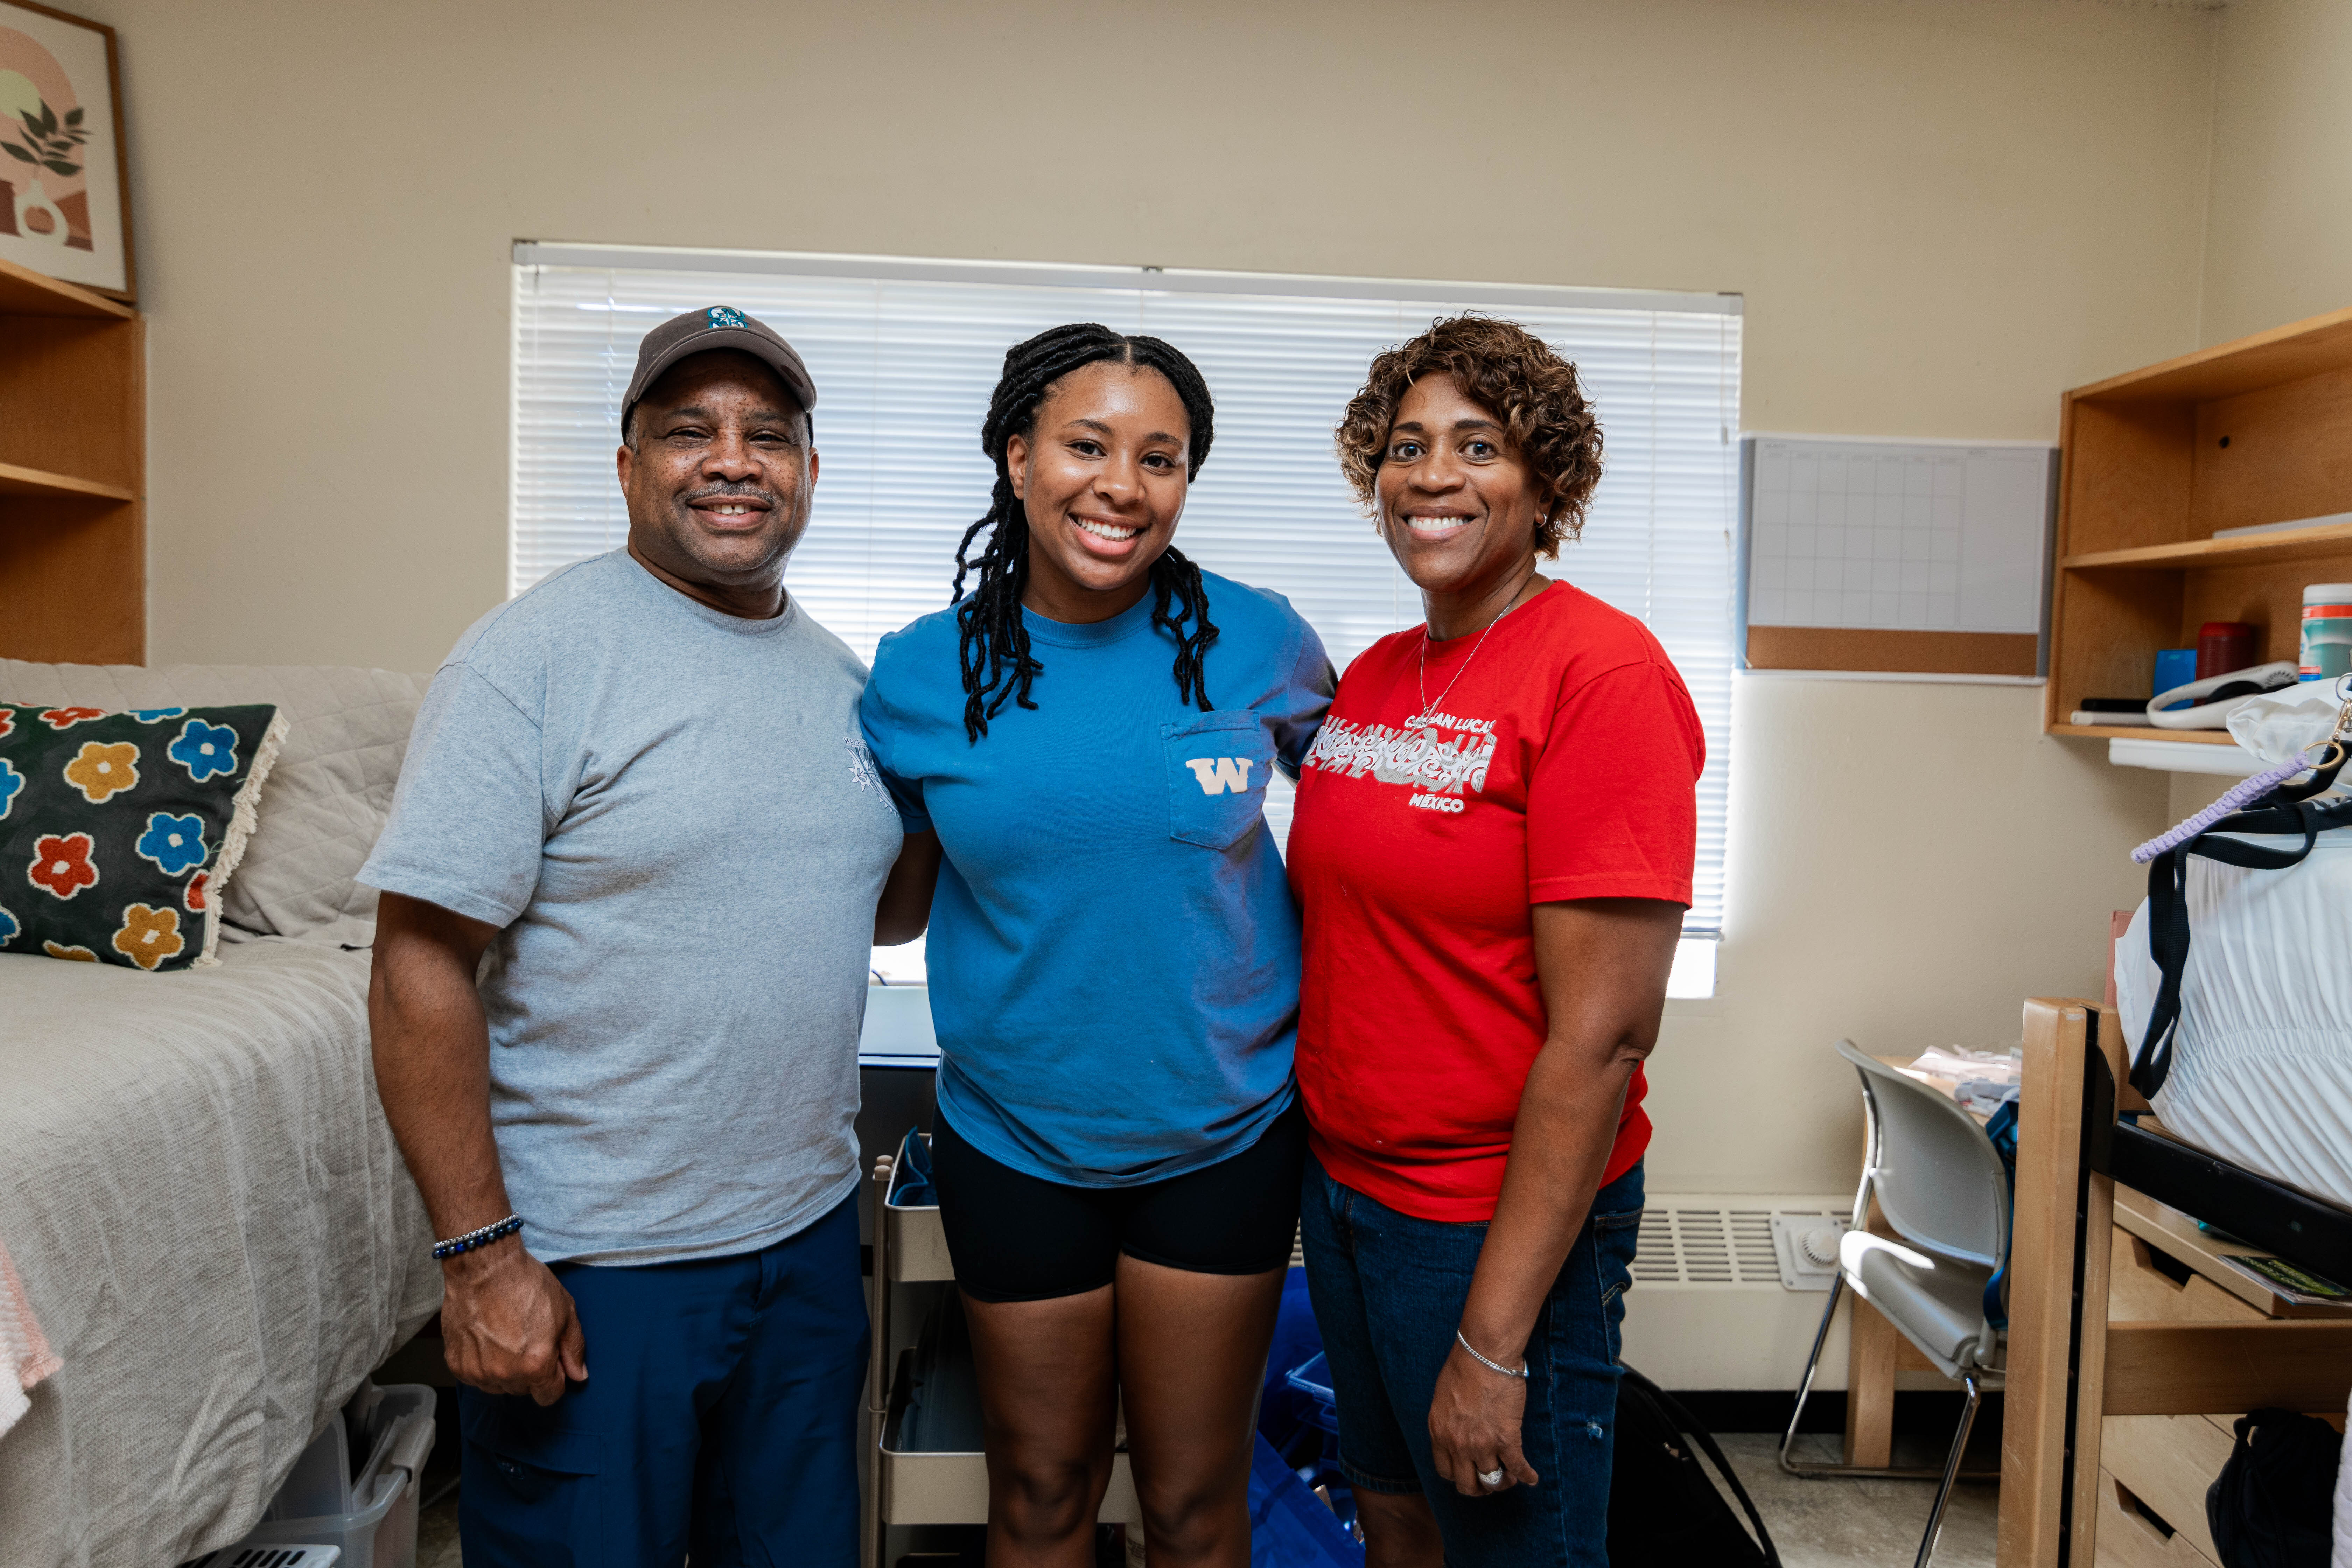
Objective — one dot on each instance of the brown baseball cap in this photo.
(717, 327)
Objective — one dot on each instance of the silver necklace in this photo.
(1457, 674)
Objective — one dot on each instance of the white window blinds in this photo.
(904, 354)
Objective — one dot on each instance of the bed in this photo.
(197, 1187)
(2076, 1368)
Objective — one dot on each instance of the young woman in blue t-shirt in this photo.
(1114, 958)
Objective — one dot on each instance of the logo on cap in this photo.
(724, 316)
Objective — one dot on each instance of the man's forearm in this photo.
(508, 1326)
(432, 1049)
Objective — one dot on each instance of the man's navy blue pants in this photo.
(719, 1417)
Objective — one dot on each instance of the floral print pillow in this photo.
(118, 831)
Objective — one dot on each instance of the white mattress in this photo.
(2262, 1066)
(215, 1229)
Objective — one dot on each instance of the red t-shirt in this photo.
(1558, 763)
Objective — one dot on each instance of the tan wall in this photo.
(2278, 243)
(1941, 213)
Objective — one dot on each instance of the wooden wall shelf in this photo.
(73, 437)
(2153, 463)
(2143, 732)
(22, 482)
(24, 292)
(2329, 541)
(2268, 359)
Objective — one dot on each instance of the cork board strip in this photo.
(1903, 652)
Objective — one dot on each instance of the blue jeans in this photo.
(1389, 1291)
(719, 1417)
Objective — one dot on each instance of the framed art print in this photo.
(65, 203)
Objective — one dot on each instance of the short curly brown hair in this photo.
(1515, 376)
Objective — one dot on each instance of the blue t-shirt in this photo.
(1113, 950)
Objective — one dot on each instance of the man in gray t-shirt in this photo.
(630, 880)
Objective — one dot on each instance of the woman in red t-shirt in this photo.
(1492, 849)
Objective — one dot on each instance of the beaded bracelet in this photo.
(444, 1250)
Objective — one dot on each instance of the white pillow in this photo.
(322, 806)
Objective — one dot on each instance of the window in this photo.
(904, 353)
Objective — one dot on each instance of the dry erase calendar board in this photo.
(1895, 557)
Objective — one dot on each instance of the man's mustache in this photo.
(733, 492)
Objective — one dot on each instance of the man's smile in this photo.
(731, 513)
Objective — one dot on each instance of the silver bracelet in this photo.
(1491, 1367)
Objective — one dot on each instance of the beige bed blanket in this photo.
(214, 1228)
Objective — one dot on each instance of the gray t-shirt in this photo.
(670, 813)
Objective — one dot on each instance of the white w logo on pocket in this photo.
(1220, 774)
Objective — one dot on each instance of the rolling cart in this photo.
(904, 1487)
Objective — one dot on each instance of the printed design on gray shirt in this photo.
(862, 768)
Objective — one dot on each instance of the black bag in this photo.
(2272, 1506)
(1664, 1511)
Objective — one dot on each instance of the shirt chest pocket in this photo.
(1217, 769)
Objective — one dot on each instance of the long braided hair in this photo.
(993, 641)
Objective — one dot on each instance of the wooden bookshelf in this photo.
(73, 538)
(2152, 464)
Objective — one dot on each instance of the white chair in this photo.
(1943, 1189)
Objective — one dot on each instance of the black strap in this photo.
(2287, 809)
(1691, 1429)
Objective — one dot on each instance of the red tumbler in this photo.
(2225, 647)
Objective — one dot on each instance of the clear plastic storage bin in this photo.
(369, 1508)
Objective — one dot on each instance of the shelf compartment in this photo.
(2328, 541)
(2156, 463)
(70, 398)
(72, 577)
(24, 292)
(17, 481)
(930, 1487)
(952, 1489)
(73, 545)
(2151, 474)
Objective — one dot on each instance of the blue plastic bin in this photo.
(1313, 1379)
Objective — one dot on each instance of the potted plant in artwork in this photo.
(49, 143)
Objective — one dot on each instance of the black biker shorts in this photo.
(1019, 1237)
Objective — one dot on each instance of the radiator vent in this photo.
(250, 1556)
(1704, 1241)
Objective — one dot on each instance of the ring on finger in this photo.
(1491, 1479)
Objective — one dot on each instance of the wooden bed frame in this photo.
(2069, 1366)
